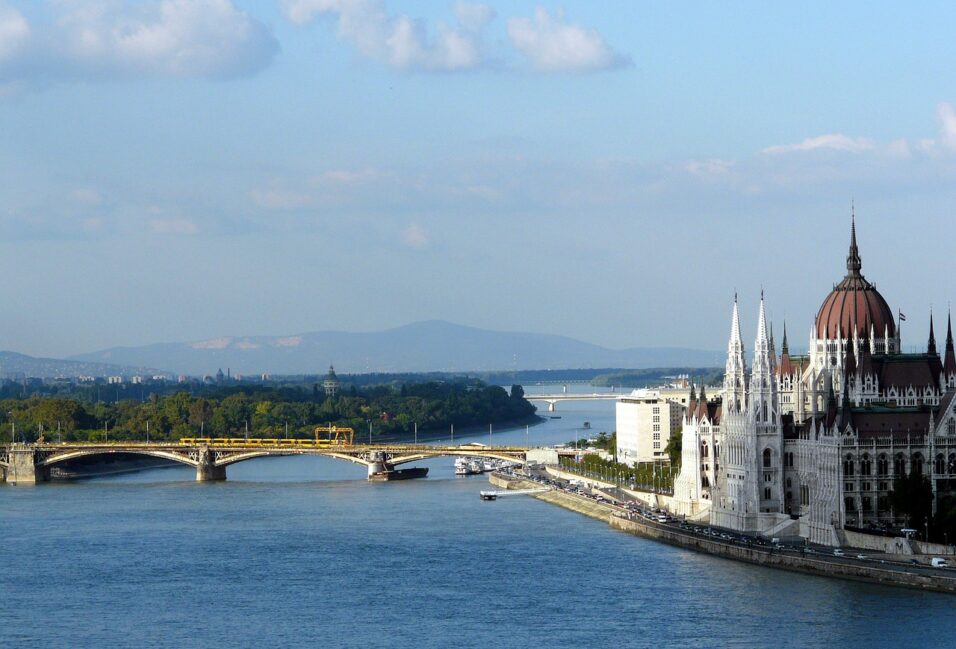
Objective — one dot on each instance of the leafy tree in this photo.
(912, 497)
(674, 445)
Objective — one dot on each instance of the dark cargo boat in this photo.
(399, 474)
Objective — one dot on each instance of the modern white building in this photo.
(646, 419)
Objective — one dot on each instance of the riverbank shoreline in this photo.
(818, 565)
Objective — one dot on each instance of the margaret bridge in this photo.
(25, 464)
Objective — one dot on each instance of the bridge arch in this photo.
(425, 455)
(59, 458)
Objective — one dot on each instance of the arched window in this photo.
(917, 464)
(865, 467)
(951, 426)
(951, 464)
(939, 466)
(882, 465)
(899, 465)
(703, 449)
(848, 466)
(767, 458)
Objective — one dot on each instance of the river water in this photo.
(304, 552)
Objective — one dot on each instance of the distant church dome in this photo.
(854, 303)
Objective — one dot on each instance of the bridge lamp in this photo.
(13, 428)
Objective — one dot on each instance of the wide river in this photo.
(304, 552)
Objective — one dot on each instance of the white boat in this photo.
(467, 466)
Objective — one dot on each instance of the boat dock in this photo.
(494, 495)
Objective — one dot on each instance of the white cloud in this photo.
(350, 177)
(14, 32)
(415, 236)
(947, 120)
(399, 40)
(172, 226)
(553, 45)
(155, 38)
(832, 141)
(86, 196)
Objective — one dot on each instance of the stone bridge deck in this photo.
(31, 463)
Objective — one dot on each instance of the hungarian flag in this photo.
(902, 317)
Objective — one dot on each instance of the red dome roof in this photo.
(854, 303)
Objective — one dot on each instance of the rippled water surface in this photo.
(303, 552)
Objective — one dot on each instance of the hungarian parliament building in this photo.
(808, 445)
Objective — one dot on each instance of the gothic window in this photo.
(883, 503)
(703, 449)
(767, 458)
(865, 465)
(882, 465)
(850, 503)
(848, 466)
(899, 465)
(867, 504)
(917, 464)
(789, 483)
(951, 426)
(766, 494)
(939, 466)
(951, 463)
(805, 495)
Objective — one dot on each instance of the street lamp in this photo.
(13, 428)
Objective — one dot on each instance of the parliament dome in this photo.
(854, 304)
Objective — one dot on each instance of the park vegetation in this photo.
(389, 411)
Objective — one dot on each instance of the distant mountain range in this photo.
(420, 347)
(13, 364)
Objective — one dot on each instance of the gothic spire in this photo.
(785, 349)
(853, 262)
(931, 345)
(735, 375)
(735, 325)
(949, 365)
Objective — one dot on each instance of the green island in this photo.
(391, 411)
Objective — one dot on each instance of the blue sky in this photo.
(180, 170)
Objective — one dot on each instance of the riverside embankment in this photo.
(891, 573)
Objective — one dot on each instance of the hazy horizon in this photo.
(182, 170)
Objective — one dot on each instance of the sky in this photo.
(177, 170)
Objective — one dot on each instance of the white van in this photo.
(940, 563)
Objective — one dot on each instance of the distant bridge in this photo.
(552, 399)
(32, 463)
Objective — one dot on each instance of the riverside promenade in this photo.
(818, 561)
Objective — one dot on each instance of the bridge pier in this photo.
(551, 406)
(23, 467)
(206, 469)
(378, 464)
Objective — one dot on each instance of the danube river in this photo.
(304, 552)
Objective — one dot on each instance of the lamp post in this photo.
(13, 428)
(369, 432)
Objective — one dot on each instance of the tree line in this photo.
(389, 410)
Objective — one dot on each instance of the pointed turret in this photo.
(849, 365)
(931, 345)
(763, 386)
(735, 376)
(853, 262)
(785, 369)
(949, 364)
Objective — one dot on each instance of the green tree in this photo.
(674, 445)
(912, 498)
